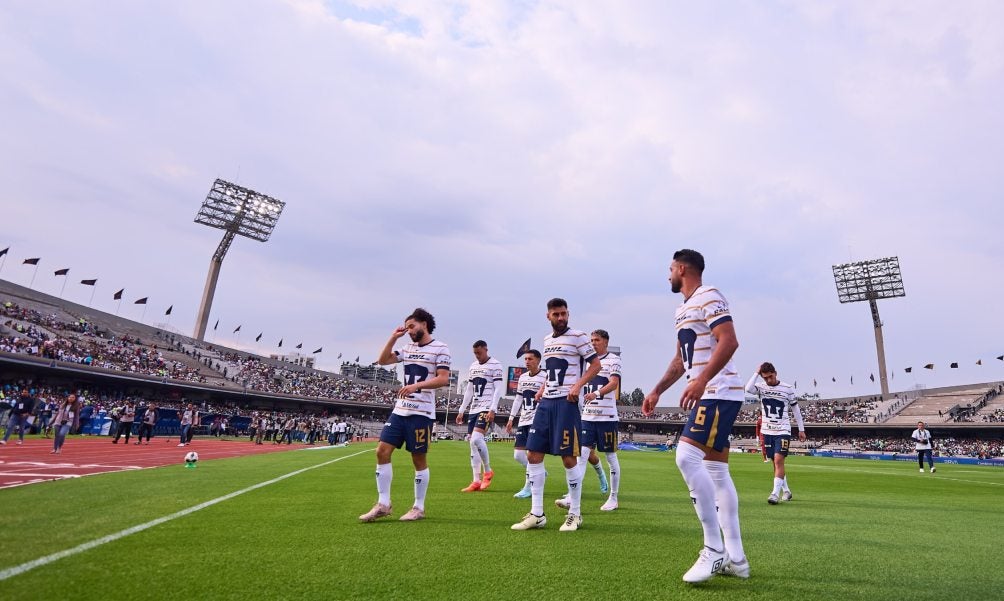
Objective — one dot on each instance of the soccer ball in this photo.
(191, 457)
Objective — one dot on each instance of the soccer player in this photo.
(599, 421)
(557, 422)
(776, 397)
(426, 368)
(483, 391)
(922, 436)
(705, 343)
(525, 406)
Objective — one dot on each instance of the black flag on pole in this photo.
(4, 251)
(523, 348)
(929, 366)
(62, 271)
(280, 343)
(89, 282)
(169, 309)
(872, 377)
(141, 301)
(300, 346)
(319, 349)
(237, 329)
(217, 324)
(908, 370)
(32, 261)
(954, 366)
(118, 295)
(357, 358)
(258, 337)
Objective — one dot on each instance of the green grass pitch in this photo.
(855, 530)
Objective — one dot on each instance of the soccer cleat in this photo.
(708, 563)
(922, 470)
(379, 511)
(524, 493)
(414, 514)
(181, 444)
(933, 469)
(563, 502)
(604, 484)
(572, 523)
(610, 505)
(486, 480)
(772, 499)
(472, 487)
(739, 569)
(786, 495)
(529, 522)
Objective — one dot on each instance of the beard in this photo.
(417, 335)
(676, 286)
(559, 325)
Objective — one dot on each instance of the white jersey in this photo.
(420, 363)
(695, 318)
(775, 401)
(922, 438)
(525, 405)
(564, 356)
(485, 379)
(602, 408)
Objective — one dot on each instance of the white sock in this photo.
(728, 508)
(573, 476)
(615, 473)
(384, 475)
(777, 485)
(520, 456)
(421, 487)
(536, 474)
(599, 469)
(582, 461)
(784, 483)
(475, 460)
(478, 443)
(690, 460)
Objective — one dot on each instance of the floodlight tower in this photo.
(871, 281)
(237, 211)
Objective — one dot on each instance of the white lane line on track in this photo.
(41, 561)
(889, 472)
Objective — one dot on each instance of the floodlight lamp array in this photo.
(869, 280)
(240, 210)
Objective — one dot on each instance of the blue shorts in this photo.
(412, 431)
(521, 434)
(776, 443)
(601, 436)
(477, 420)
(710, 422)
(555, 429)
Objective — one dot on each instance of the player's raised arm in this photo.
(387, 355)
(751, 387)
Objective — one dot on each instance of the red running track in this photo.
(33, 462)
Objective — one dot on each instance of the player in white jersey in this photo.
(557, 422)
(484, 389)
(705, 343)
(600, 419)
(776, 397)
(426, 367)
(922, 437)
(524, 408)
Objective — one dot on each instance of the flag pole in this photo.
(93, 290)
(118, 307)
(33, 274)
(144, 314)
(63, 287)
(3, 261)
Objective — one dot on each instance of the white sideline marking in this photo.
(41, 561)
(889, 472)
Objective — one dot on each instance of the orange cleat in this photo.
(472, 487)
(486, 480)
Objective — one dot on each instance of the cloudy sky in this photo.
(477, 158)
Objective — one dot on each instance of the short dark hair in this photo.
(556, 303)
(602, 334)
(768, 367)
(480, 344)
(534, 352)
(423, 316)
(690, 257)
